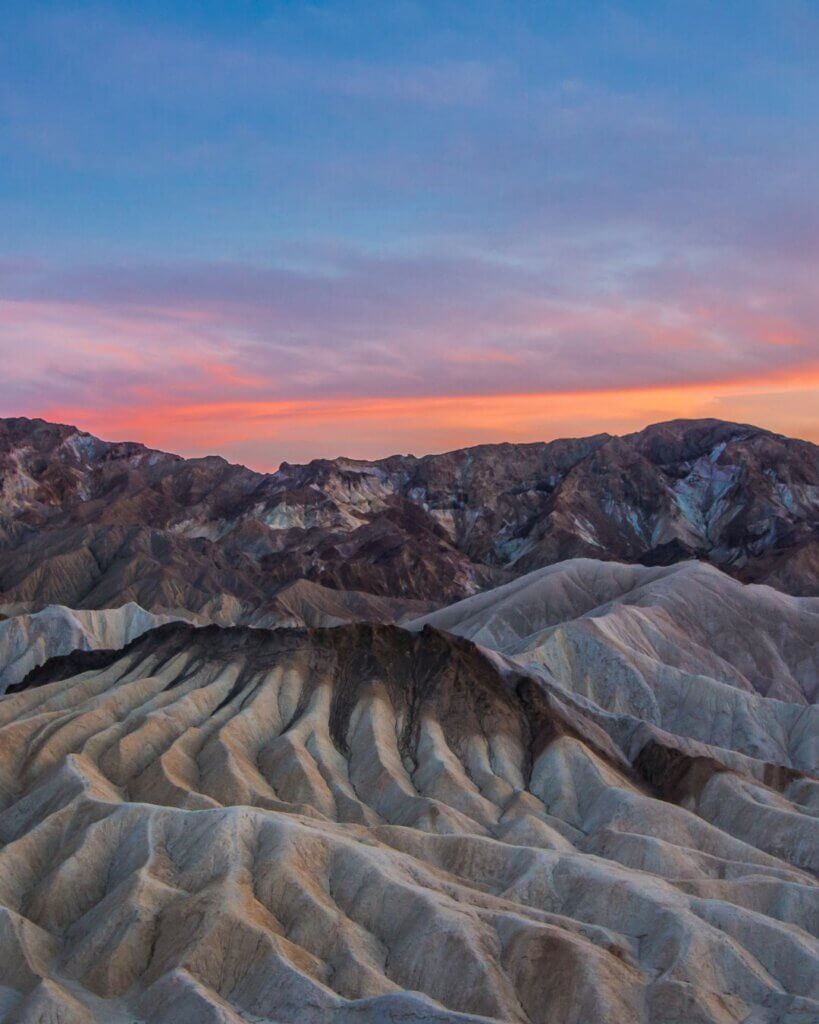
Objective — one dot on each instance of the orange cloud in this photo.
(263, 433)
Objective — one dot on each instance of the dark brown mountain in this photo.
(89, 523)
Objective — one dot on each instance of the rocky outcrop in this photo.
(368, 824)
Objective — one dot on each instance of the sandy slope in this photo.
(364, 824)
(684, 647)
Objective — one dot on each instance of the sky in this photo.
(281, 231)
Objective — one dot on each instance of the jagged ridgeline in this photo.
(90, 524)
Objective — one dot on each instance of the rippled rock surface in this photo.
(369, 824)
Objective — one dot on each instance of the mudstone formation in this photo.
(521, 733)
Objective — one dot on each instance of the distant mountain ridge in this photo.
(91, 524)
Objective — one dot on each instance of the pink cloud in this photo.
(183, 356)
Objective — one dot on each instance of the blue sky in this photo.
(302, 213)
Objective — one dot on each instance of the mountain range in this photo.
(518, 733)
(93, 524)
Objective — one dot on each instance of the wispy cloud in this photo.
(342, 204)
(145, 338)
